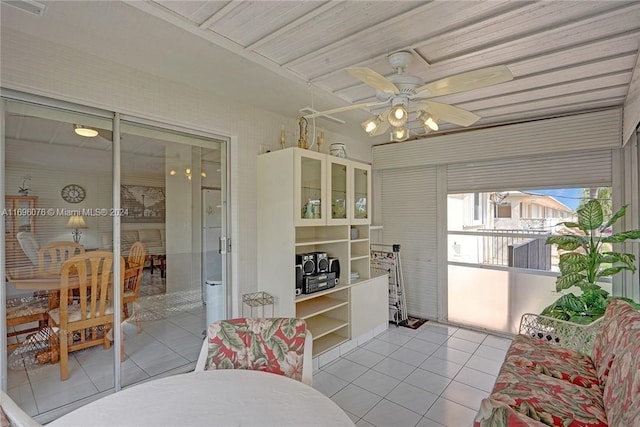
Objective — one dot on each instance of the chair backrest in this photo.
(53, 254)
(137, 254)
(14, 415)
(29, 245)
(91, 274)
(279, 345)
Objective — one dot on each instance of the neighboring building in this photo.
(501, 228)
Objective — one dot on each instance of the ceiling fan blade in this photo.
(450, 114)
(373, 79)
(466, 81)
(340, 109)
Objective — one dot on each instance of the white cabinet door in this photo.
(369, 305)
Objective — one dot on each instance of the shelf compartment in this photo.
(322, 325)
(317, 306)
(318, 241)
(357, 257)
(327, 342)
(337, 288)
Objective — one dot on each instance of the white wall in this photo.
(46, 68)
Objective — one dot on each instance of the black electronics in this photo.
(308, 263)
(299, 276)
(322, 262)
(334, 267)
(318, 282)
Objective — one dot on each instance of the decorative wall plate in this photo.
(73, 193)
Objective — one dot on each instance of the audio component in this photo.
(308, 263)
(318, 282)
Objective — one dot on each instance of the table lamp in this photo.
(76, 222)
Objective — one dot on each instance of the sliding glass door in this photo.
(155, 195)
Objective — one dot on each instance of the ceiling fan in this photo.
(406, 94)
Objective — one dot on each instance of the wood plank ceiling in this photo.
(566, 56)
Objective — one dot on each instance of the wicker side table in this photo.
(257, 300)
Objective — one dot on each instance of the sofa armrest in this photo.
(566, 334)
(495, 413)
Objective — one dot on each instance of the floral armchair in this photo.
(281, 346)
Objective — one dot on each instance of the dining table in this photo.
(229, 397)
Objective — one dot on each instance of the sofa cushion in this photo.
(552, 360)
(552, 401)
(622, 391)
(494, 413)
(603, 350)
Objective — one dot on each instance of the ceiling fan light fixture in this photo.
(371, 125)
(398, 116)
(85, 131)
(427, 121)
(400, 134)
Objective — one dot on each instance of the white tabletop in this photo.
(211, 398)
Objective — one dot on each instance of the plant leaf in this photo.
(616, 216)
(573, 258)
(566, 242)
(573, 279)
(582, 320)
(572, 267)
(590, 216)
(622, 236)
(571, 302)
(627, 259)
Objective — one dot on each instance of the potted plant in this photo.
(587, 257)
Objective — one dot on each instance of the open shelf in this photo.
(336, 288)
(318, 241)
(319, 305)
(356, 257)
(327, 342)
(322, 325)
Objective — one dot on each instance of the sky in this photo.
(568, 196)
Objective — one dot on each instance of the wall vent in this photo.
(28, 6)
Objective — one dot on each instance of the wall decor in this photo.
(142, 204)
(73, 193)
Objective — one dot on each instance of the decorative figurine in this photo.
(302, 142)
(282, 139)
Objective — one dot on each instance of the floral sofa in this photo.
(560, 374)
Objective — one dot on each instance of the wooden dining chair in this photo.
(53, 254)
(28, 310)
(279, 345)
(133, 280)
(79, 323)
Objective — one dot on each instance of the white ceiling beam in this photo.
(631, 110)
(221, 13)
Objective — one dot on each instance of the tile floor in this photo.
(166, 345)
(435, 375)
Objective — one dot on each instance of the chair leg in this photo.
(64, 356)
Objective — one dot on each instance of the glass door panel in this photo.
(174, 203)
(361, 195)
(58, 187)
(338, 192)
(310, 182)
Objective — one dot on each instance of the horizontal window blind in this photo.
(591, 169)
(409, 219)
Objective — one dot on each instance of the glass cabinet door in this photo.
(310, 188)
(339, 192)
(361, 207)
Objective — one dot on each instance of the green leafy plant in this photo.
(586, 259)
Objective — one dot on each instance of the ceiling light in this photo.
(400, 134)
(427, 121)
(85, 131)
(203, 174)
(371, 125)
(172, 172)
(398, 116)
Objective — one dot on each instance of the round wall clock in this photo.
(73, 193)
